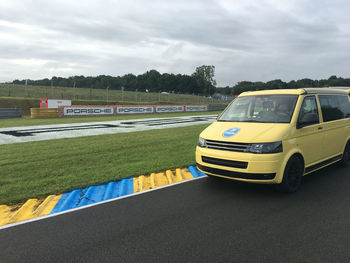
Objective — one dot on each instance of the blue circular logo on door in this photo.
(230, 132)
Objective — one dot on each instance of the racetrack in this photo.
(198, 221)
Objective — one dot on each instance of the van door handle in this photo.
(320, 128)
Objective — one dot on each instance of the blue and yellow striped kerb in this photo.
(34, 208)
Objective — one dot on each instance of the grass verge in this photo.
(11, 90)
(36, 169)
(27, 121)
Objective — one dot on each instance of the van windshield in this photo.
(261, 108)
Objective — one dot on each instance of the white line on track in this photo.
(96, 204)
(59, 131)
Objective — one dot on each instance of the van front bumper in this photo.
(238, 175)
(248, 167)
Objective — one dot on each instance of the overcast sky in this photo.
(244, 40)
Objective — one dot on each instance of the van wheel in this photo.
(346, 156)
(292, 176)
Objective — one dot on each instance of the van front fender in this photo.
(279, 176)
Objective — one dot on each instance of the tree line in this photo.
(200, 82)
(242, 86)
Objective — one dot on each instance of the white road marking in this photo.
(59, 131)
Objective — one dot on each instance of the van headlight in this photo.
(271, 147)
(202, 142)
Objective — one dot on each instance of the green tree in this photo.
(204, 76)
(276, 84)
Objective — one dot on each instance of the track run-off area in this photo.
(52, 204)
(55, 203)
(51, 132)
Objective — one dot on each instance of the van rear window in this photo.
(334, 107)
(261, 108)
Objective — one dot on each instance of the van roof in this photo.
(343, 88)
(295, 91)
(346, 89)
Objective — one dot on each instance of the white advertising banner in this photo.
(86, 111)
(160, 109)
(197, 108)
(135, 109)
(55, 103)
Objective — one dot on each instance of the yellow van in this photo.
(277, 136)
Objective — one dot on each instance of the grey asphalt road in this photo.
(198, 221)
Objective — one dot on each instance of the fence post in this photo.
(123, 94)
(74, 90)
(26, 88)
(52, 89)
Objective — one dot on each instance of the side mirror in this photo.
(308, 119)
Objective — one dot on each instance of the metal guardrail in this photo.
(36, 113)
(10, 113)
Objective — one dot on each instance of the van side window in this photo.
(334, 107)
(308, 111)
(344, 105)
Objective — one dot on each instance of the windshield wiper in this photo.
(251, 121)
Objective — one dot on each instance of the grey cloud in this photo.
(254, 40)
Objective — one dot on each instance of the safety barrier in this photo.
(108, 110)
(10, 113)
(36, 113)
(34, 208)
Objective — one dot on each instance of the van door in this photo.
(309, 132)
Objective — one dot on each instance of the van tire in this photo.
(292, 175)
(344, 162)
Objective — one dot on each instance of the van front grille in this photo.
(222, 162)
(227, 146)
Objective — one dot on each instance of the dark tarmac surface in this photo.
(198, 221)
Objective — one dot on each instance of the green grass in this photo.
(27, 121)
(20, 103)
(12, 90)
(36, 169)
